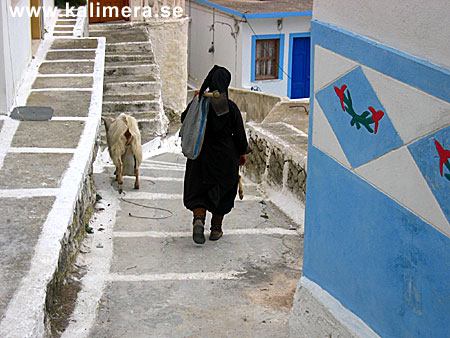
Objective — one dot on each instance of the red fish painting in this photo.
(444, 156)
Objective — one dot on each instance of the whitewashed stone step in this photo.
(129, 47)
(126, 59)
(147, 69)
(131, 106)
(129, 88)
(134, 97)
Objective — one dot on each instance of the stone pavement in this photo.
(45, 186)
(147, 278)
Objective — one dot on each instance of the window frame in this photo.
(275, 58)
(255, 38)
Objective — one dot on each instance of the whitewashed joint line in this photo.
(159, 167)
(69, 118)
(138, 195)
(155, 167)
(88, 76)
(65, 75)
(114, 277)
(35, 150)
(64, 89)
(181, 165)
(127, 43)
(133, 83)
(159, 179)
(126, 66)
(27, 193)
(181, 234)
(74, 50)
(70, 61)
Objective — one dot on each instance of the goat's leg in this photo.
(119, 177)
(136, 183)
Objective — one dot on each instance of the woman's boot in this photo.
(216, 227)
(199, 225)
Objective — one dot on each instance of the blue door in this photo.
(300, 68)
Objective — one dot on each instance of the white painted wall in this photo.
(2, 70)
(227, 49)
(48, 18)
(15, 53)
(398, 24)
(269, 26)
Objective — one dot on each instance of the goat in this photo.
(124, 146)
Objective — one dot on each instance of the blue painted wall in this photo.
(380, 260)
(427, 158)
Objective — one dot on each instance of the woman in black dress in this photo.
(211, 180)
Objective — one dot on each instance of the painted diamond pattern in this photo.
(432, 154)
(358, 118)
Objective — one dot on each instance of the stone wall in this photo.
(70, 246)
(271, 163)
(170, 40)
(256, 105)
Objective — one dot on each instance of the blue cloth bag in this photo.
(193, 128)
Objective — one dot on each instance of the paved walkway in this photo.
(150, 279)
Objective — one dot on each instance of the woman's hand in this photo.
(242, 160)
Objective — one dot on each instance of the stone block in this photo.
(66, 68)
(72, 55)
(48, 134)
(63, 82)
(75, 104)
(75, 44)
(21, 221)
(22, 171)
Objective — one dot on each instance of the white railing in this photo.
(155, 6)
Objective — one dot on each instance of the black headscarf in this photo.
(218, 78)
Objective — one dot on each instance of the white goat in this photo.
(124, 146)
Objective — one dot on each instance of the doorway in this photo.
(37, 26)
(98, 7)
(299, 66)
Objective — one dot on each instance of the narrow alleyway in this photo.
(151, 280)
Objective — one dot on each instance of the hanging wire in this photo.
(244, 19)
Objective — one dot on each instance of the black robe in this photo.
(211, 180)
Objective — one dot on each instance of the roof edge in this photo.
(254, 15)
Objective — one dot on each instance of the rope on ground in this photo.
(147, 207)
